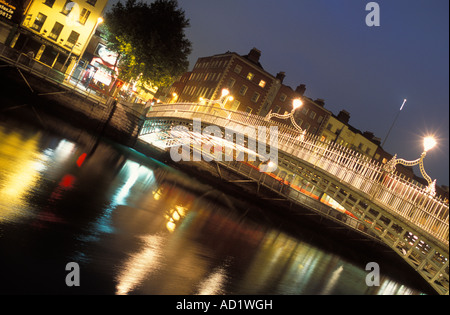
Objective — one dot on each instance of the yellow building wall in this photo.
(335, 129)
(70, 22)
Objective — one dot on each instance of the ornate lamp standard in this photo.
(296, 104)
(225, 97)
(428, 144)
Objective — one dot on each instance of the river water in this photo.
(133, 225)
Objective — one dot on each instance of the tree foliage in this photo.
(150, 40)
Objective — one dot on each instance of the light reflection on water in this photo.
(136, 226)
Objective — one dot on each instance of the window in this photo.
(92, 2)
(231, 82)
(72, 40)
(38, 22)
(235, 105)
(255, 97)
(84, 16)
(368, 151)
(262, 83)
(68, 6)
(50, 3)
(283, 97)
(56, 31)
(320, 119)
(307, 125)
(249, 110)
(250, 76)
(276, 109)
(243, 90)
(305, 111)
(238, 69)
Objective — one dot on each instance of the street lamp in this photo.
(428, 144)
(396, 117)
(224, 98)
(296, 104)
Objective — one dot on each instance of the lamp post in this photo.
(428, 144)
(296, 104)
(225, 97)
(396, 117)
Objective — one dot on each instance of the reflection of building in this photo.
(54, 30)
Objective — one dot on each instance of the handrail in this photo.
(396, 194)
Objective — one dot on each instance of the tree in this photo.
(149, 39)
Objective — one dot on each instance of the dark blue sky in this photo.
(367, 71)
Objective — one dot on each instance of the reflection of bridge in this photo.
(401, 214)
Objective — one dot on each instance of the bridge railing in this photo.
(391, 191)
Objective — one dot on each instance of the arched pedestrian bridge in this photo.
(402, 214)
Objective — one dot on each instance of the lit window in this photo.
(72, 40)
(262, 83)
(84, 16)
(68, 6)
(236, 105)
(38, 22)
(56, 31)
(250, 76)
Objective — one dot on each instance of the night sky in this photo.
(367, 71)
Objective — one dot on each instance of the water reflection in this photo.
(138, 227)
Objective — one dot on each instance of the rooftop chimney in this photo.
(254, 55)
(343, 116)
(280, 76)
(321, 102)
(301, 89)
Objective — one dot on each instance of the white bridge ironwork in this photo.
(401, 213)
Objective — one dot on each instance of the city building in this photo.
(57, 32)
(253, 89)
(338, 130)
(311, 116)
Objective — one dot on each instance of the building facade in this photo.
(339, 130)
(56, 32)
(253, 89)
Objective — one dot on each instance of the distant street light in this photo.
(296, 104)
(396, 117)
(428, 144)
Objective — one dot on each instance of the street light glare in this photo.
(225, 92)
(429, 143)
(297, 103)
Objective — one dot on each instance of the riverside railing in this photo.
(22, 61)
(393, 192)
